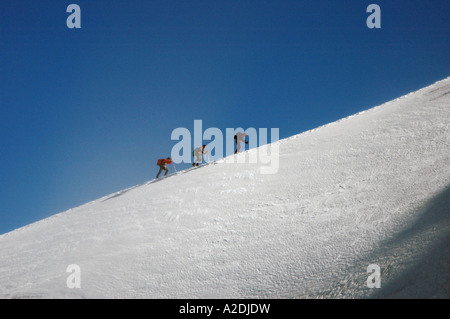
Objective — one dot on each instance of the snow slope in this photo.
(373, 188)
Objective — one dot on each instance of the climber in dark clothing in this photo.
(239, 138)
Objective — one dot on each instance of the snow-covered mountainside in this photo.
(371, 189)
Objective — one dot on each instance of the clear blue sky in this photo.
(87, 112)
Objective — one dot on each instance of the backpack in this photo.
(160, 161)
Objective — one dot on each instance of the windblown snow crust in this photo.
(373, 188)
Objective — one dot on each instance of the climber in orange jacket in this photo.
(162, 163)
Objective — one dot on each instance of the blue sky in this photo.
(87, 112)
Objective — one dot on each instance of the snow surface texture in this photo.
(373, 188)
